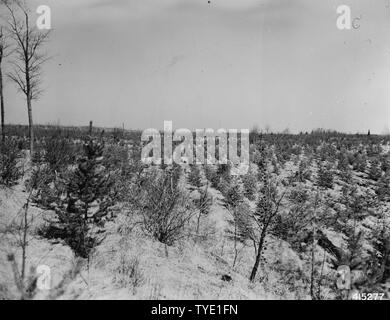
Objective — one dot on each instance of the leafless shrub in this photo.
(203, 204)
(128, 272)
(164, 206)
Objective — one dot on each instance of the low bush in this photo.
(164, 206)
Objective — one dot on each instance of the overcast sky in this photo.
(227, 63)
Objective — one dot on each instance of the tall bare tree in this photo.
(267, 209)
(4, 45)
(27, 65)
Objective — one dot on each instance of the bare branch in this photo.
(29, 40)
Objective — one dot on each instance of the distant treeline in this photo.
(315, 137)
(71, 132)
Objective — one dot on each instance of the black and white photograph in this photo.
(195, 150)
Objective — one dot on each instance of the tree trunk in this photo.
(197, 224)
(258, 256)
(2, 104)
(235, 243)
(24, 243)
(30, 126)
(314, 244)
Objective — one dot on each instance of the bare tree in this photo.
(238, 230)
(267, 209)
(314, 244)
(203, 205)
(164, 205)
(3, 53)
(27, 65)
(19, 229)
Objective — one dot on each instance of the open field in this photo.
(108, 226)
